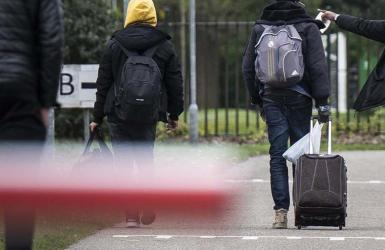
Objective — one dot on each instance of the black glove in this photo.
(324, 113)
(257, 105)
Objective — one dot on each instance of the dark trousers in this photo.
(22, 135)
(287, 117)
(133, 145)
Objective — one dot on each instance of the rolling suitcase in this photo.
(320, 188)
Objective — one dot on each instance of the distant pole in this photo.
(125, 9)
(86, 124)
(193, 110)
(51, 128)
(49, 151)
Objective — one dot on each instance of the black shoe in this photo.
(148, 217)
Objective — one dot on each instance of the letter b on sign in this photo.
(66, 86)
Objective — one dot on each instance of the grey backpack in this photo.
(279, 62)
(138, 88)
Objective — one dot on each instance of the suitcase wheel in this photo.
(299, 227)
(341, 227)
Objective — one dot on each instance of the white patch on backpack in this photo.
(295, 73)
(140, 100)
(270, 44)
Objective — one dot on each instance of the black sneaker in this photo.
(148, 217)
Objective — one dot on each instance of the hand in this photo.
(44, 116)
(93, 126)
(259, 110)
(263, 115)
(172, 125)
(324, 114)
(329, 15)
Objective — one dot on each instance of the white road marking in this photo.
(294, 238)
(255, 237)
(376, 182)
(337, 238)
(372, 182)
(207, 237)
(250, 238)
(120, 236)
(163, 237)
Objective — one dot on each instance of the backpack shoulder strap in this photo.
(294, 32)
(125, 51)
(151, 51)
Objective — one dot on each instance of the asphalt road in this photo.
(248, 222)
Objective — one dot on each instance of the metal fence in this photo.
(222, 96)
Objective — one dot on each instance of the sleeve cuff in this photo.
(256, 100)
(336, 18)
(321, 102)
(174, 117)
(98, 120)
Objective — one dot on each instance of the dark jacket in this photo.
(316, 74)
(31, 39)
(140, 37)
(373, 93)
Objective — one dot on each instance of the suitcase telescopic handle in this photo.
(330, 124)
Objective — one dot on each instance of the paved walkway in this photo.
(248, 223)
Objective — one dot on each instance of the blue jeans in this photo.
(287, 117)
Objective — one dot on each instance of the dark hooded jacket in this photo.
(31, 39)
(373, 93)
(316, 79)
(140, 37)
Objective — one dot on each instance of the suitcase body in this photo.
(320, 190)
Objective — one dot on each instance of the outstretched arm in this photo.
(174, 85)
(372, 29)
(104, 82)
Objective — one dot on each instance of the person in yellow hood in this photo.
(132, 116)
(141, 11)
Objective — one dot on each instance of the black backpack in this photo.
(138, 88)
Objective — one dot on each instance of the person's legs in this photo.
(22, 133)
(144, 158)
(124, 154)
(19, 228)
(299, 114)
(134, 144)
(144, 140)
(278, 132)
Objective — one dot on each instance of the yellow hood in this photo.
(141, 11)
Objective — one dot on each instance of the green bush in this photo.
(88, 26)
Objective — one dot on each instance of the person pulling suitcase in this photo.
(284, 68)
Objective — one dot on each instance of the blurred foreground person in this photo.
(284, 68)
(139, 84)
(30, 62)
(373, 93)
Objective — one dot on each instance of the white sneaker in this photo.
(280, 220)
(132, 224)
